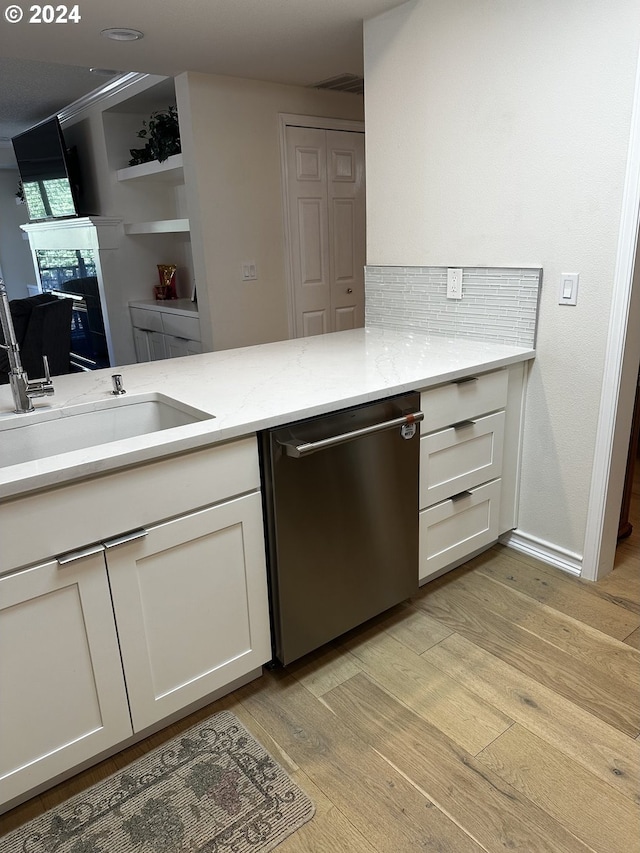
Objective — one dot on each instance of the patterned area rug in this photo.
(212, 789)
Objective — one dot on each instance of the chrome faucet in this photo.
(22, 388)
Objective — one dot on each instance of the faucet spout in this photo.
(22, 388)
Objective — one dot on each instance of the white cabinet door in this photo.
(141, 344)
(149, 346)
(191, 606)
(157, 346)
(179, 347)
(62, 695)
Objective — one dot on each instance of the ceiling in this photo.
(45, 67)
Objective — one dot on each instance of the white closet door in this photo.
(325, 180)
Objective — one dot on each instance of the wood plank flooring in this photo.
(498, 710)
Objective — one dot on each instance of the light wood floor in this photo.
(499, 710)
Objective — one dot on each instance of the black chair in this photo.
(43, 327)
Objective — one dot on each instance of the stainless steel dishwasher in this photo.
(341, 510)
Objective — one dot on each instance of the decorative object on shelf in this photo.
(167, 287)
(162, 137)
(213, 787)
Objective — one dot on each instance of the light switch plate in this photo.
(249, 272)
(568, 288)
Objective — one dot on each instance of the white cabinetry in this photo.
(469, 446)
(62, 694)
(160, 583)
(165, 329)
(189, 604)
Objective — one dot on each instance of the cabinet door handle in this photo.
(463, 424)
(140, 533)
(460, 495)
(72, 556)
(465, 379)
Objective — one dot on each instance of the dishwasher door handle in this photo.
(291, 448)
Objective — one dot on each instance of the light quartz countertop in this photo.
(250, 389)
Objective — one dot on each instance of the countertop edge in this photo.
(21, 480)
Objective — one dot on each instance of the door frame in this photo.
(286, 120)
(619, 376)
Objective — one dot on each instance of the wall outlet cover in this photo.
(454, 283)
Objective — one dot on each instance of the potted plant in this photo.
(162, 137)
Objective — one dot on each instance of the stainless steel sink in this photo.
(32, 437)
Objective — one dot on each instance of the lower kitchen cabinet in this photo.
(62, 693)
(190, 600)
(157, 600)
(469, 466)
(168, 329)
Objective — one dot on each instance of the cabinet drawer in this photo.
(454, 529)
(181, 327)
(144, 319)
(88, 511)
(467, 398)
(460, 458)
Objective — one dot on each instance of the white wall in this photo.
(15, 256)
(497, 135)
(230, 142)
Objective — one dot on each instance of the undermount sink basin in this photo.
(28, 438)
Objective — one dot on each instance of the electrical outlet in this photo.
(454, 283)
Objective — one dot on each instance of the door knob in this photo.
(349, 290)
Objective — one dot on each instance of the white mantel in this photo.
(82, 232)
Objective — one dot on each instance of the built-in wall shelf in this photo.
(160, 226)
(169, 171)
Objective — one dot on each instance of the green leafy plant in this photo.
(162, 137)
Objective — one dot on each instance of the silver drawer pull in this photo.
(140, 533)
(460, 495)
(463, 424)
(465, 379)
(72, 556)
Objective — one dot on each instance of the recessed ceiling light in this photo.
(122, 34)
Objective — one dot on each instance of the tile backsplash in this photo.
(498, 303)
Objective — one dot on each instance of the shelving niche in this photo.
(150, 197)
(168, 172)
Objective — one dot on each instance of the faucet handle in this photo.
(40, 387)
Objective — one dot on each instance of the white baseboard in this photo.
(562, 559)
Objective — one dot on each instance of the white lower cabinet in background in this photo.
(62, 693)
(165, 329)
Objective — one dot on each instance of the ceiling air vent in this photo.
(343, 83)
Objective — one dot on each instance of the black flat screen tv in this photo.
(48, 172)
